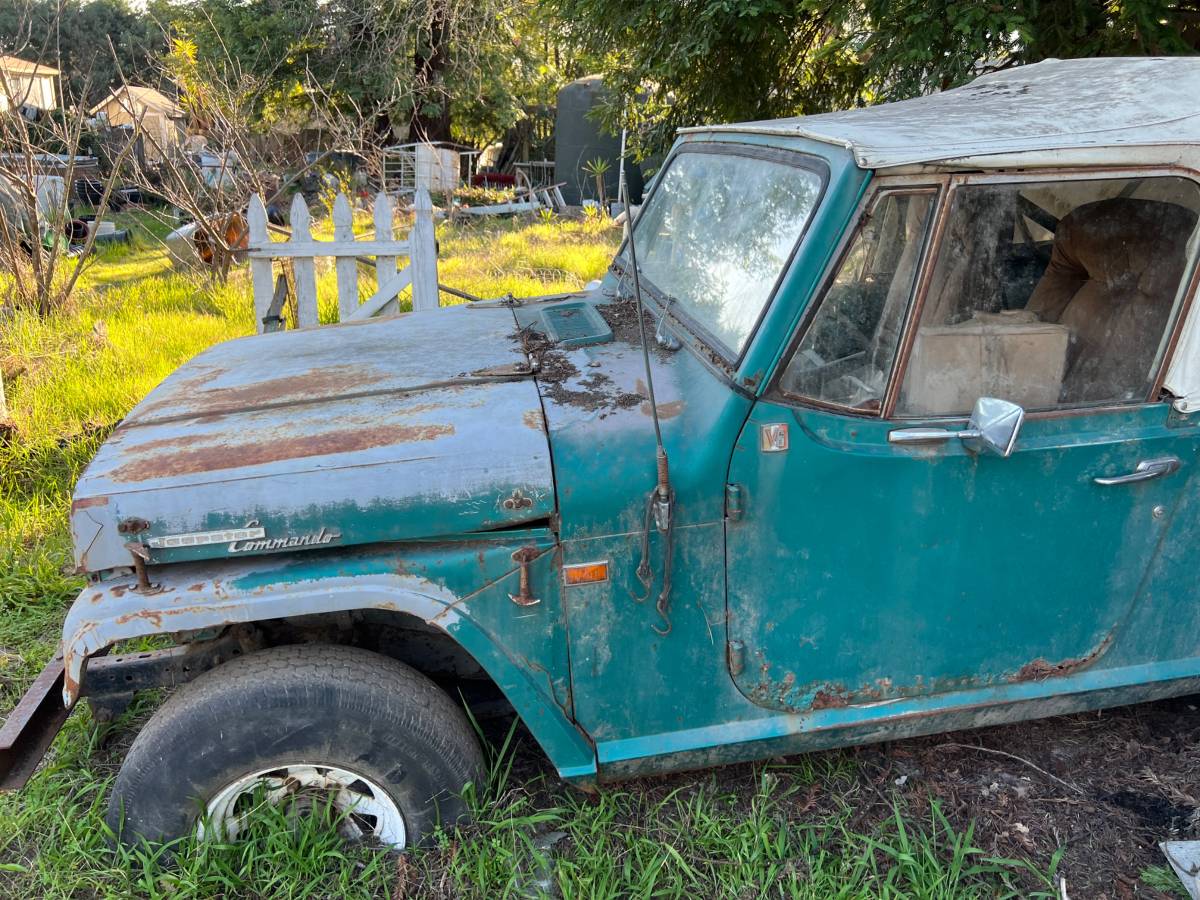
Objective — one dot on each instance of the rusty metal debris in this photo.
(31, 727)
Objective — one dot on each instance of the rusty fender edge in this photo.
(31, 726)
(190, 597)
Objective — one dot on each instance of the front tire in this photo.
(382, 743)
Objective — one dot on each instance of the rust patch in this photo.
(152, 616)
(833, 696)
(88, 502)
(786, 685)
(1040, 669)
(505, 369)
(212, 458)
(665, 410)
(533, 419)
(668, 410)
(315, 384)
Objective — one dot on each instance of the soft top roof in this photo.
(1052, 105)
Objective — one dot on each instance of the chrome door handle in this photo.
(921, 435)
(1145, 470)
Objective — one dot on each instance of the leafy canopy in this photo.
(738, 60)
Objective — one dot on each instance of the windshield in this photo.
(717, 232)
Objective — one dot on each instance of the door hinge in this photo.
(734, 502)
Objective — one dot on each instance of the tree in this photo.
(916, 47)
(73, 36)
(726, 60)
(715, 60)
(404, 64)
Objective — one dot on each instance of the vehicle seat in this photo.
(1113, 276)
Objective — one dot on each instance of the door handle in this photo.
(921, 435)
(1144, 471)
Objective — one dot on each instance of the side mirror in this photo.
(993, 426)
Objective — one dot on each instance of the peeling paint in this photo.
(88, 502)
(415, 449)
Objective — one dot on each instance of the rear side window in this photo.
(1052, 294)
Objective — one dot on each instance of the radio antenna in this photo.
(661, 502)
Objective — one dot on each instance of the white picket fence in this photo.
(303, 250)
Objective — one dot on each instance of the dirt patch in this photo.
(1111, 785)
(1128, 778)
(554, 368)
(622, 317)
(595, 391)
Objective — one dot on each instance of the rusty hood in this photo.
(410, 427)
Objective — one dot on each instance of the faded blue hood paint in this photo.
(409, 427)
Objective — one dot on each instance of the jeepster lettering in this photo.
(314, 539)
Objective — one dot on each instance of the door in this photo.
(865, 567)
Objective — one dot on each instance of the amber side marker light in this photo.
(585, 573)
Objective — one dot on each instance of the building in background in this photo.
(27, 85)
(161, 117)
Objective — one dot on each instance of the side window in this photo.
(846, 353)
(1051, 294)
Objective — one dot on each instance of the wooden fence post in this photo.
(303, 267)
(345, 266)
(347, 252)
(260, 268)
(385, 266)
(422, 254)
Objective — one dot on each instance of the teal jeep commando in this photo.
(927, 379)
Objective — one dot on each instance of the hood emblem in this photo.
(517, 501)
(262, 542)
(203, 538)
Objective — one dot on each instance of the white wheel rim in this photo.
(364, 810)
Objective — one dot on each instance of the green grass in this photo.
(745, 832)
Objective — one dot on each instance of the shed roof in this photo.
(1053, 105)
(131, 97)
(18, 66)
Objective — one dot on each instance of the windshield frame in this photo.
(716, 349)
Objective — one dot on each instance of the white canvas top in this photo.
(1050, 106)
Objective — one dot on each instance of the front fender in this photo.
(461, 587)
